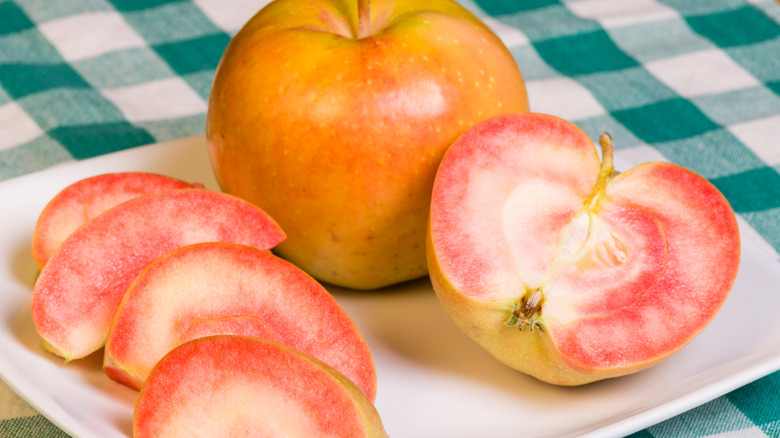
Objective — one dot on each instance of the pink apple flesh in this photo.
(565, 269)
(81, 201)
(224, 288)
(78, 291)
(240, 386)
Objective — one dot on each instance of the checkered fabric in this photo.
(696, 82)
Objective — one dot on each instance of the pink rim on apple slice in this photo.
(244, 291)
(78, 291)
(562, 267)
(241, 386)
(83, 200)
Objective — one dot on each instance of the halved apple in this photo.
(225, 288)
(565, 269)
(83, 200)
(221, 386)
(78, 291)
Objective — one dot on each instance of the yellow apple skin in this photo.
(338, 138)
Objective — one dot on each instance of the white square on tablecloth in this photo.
(700, 73)
(156, 100)
(230, 15)
(762, 136)
(16, 127)
(510, 36)
(611, 13)
(563, 97)
(90, 34)
(636, 155)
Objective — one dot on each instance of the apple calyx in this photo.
(526, 314)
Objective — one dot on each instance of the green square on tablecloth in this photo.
(69, 106)
(35, 155)
(585, 53)
(762, 59)
(553, 21)
(85, 141)
(752, 401)
(4, 97)
(503, 7)
(136, 5)
(698, 422)
(123, 68)
(625, 89)
(193, 55)
(171, 22)
(13, 19)
(531, 65)
(201, 82)
(622, 138)
(665, 121)
(173, 129)
(774, 86)
(648, 42)
(752, 190)
(42, 11)
(701, 7)
(766, 223)
(712, 154)
(27, 46)
(739, 106)
(753, 25)
(20, 80)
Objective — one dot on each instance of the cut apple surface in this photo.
(78, 291)
(83, 200)
(562, 267)
(224, 288)
(221, 386)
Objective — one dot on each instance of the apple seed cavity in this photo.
(587, 243)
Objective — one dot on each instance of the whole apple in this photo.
(333, 115)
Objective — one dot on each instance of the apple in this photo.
(332, 116)
(78, 291)
(81, 201)
(218, 288)
(566, 269)
(241, 386)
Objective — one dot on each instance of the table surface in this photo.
(695, 82)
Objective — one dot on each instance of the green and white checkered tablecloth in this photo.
(696, 82)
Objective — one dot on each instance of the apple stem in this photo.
(364, 18)
(607, 165)
(607, 171)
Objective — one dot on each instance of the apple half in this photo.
(81, 201)
(225, 385)
(78, 291)
(244, 291)
(562, 267)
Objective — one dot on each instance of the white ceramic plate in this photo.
(433, 381)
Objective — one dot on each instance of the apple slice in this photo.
(565, 269)
(244, 291)
(85, 199)
(241, 386)
(78, 291)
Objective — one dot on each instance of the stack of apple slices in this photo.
(142, 264)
